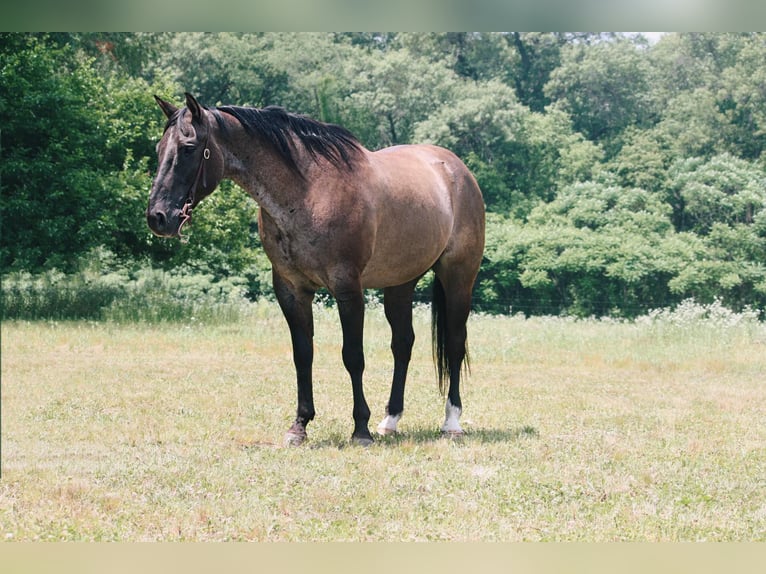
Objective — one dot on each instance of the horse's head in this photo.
(189, 167)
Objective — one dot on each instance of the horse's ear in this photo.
(193, 106)
(168, 109)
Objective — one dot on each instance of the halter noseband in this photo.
(186, 210)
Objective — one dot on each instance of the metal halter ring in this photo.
(206, 153)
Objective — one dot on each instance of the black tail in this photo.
(439, 334)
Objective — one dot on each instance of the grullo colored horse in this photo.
(336, 215)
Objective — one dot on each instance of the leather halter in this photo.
(186, 210)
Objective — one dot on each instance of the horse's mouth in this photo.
(168, 226)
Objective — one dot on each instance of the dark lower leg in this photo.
(398, 307)
(454, 406)
(351, 310)
(296, 307)
(458, 308)
(303, 353)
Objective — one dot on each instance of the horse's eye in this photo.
(189, 149)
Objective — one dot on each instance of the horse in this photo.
(335, 215)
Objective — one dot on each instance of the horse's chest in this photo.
(282, 247)
(300, 249)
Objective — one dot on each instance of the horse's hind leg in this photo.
(397, 302)
(457, 306)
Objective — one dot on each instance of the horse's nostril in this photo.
(158, 220)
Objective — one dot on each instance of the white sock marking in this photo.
(452, 419)
(388, 424)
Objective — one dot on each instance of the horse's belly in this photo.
(400, 258)
(410, 235)
(376, 277)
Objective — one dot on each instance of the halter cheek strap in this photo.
(205, 156)
(186, 210)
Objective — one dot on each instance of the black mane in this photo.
(277, 126)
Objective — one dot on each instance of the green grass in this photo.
(577, 430)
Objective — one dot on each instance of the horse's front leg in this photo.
(351, 309)
(296, 305)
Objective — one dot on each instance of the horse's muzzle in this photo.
(158, 223)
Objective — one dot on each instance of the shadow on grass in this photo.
(430, 436)
(470, 436)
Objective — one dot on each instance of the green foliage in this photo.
(52, 154)
(482, 125)
(619, 176)
(105, 290)
(224, 242)
(604, 88)
(224, 68)
(316, 69)
(600, 250)
(519, 157)
(723, 189)
(390, 95)
(56, 296)
(75, 157)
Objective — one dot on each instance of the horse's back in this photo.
(428, 170)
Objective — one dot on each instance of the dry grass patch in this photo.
(577, 430)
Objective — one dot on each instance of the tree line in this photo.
(619, 175)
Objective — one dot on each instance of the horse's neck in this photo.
(258, 169)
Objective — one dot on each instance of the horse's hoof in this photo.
(383, 430)
(362, 441)
(453, 434)
(294, 439)
(295, 436)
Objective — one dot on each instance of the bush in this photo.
(56, 296)
(157, 296)
(103, 290)
(702, 324)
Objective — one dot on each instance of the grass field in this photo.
(576, 430)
